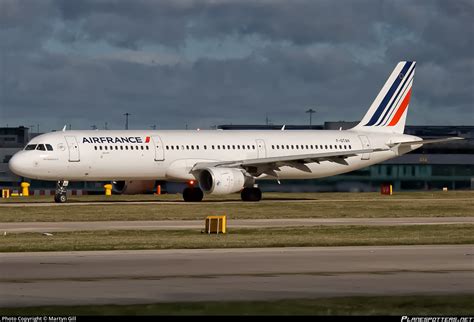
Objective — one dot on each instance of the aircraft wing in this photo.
(272, 164)
(391, 144)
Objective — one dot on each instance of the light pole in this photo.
(126, 120)
(310, 111)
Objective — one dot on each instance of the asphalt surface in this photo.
(231, 223)
(134, 277)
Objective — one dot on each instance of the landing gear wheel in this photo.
(192, 194)
(251, 194)
(61, 191)
(60, 198)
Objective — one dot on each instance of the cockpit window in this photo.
(30, 147)
(41, 147)
(49, 147)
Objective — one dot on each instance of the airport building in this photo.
(434, 166)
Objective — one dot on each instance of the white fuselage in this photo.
(170, 155)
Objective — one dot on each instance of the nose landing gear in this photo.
(61, 192)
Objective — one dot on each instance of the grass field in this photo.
(380, 305)
(275, 205)
(270, 237)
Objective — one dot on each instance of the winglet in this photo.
(283, 127)
(64, 128)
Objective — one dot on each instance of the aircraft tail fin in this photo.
(389, 109)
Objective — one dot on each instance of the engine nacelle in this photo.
(133, 187)
(221, 181)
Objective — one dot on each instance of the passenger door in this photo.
(73, 149)
(159, 148)
(365, 145)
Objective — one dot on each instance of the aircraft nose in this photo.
(18, 164)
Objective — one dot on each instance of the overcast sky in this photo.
(204, 63)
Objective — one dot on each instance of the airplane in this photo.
(224, 162)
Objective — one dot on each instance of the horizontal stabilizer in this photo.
(424, 141)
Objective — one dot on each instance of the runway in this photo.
(232, 223)
(134, 277)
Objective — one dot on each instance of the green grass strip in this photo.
(235, 238)
(381, 305)
(274, 205)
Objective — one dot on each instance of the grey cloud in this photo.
(333, 56)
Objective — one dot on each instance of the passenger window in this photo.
(116, 147)
(350, 147)
(172, 147)
(287, 147)
(307, 147)
(167, 148)
(205, 147)
(95, 148)
(218, 147)
(197, 147)
(228, 147)
(192, 147)
(187, 147)
(111, 147)
(126, 147)
(41, 147)
(105, 147)
(49, 147)
(100, 147)
(248, 147)
(340, 147)
(223, 147)
(177, 147)
(292, 147)
(325, 146)
(253, 147)
(238, 147)
(30, 147)
(233, 147)
(212, 147)
(147, 147)
(345, 147)
(121, 147)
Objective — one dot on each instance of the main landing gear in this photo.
(251, 194)
(192, 194)
(61, 192)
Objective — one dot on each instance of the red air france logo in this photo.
(147, 139)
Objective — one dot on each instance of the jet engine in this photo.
(133, 187)
(222, 181)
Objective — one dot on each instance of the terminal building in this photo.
(432, 167)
